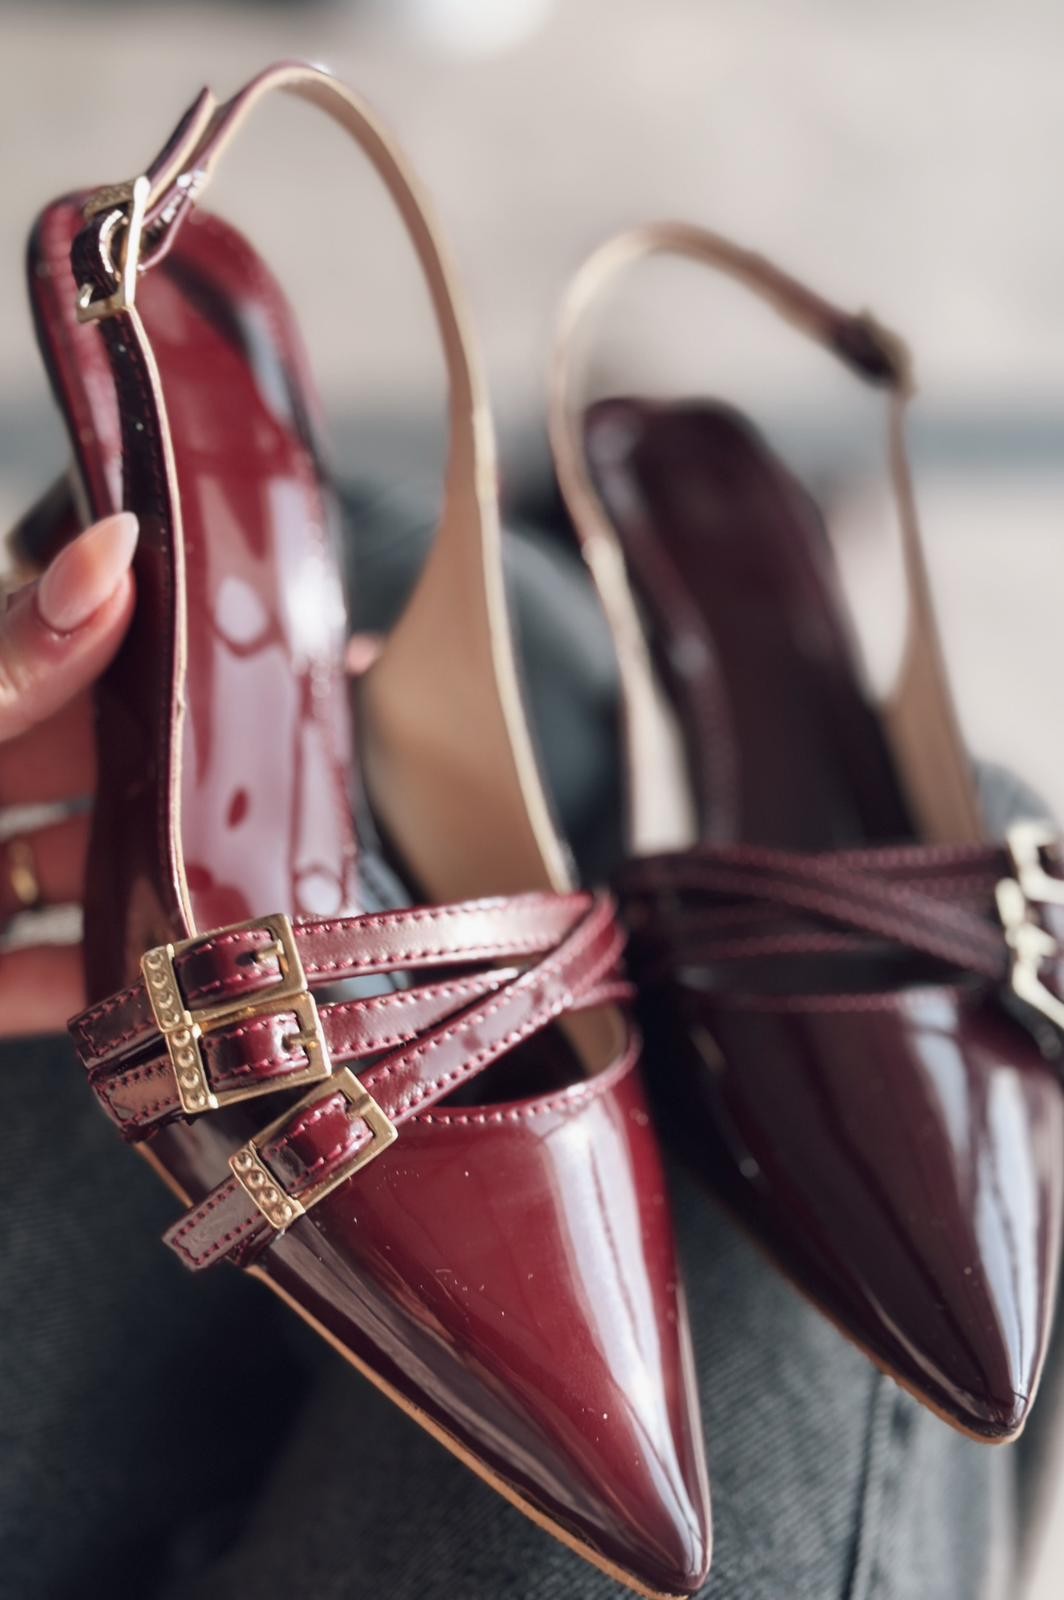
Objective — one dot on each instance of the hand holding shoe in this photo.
(57, 635)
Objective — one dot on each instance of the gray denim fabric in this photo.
(827, 1482)
(188, 1439)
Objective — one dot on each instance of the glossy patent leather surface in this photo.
(266, 750)
(893, 1139)
(506, 1271)
(546, 1320)
(902, 1163)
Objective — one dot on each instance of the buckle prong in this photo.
(261, 953)
(309, 1042)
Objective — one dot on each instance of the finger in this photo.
(56, 760)
(54, 857)
(57, 635)
(361, 652)
(40, 987)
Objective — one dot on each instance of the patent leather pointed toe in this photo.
(900, 1158)
(420, 1124)
(851, 995)
(547, 1332)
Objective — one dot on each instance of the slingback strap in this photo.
(229, 1016)
(128, 229)
(132, 226)
(981, 911)
(920, 713)
(344, 1122)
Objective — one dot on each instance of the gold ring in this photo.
(22, 874)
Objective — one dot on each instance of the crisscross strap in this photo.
(743, 904)
(575, 966)
(481, 946)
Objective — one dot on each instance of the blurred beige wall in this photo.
(902, 155)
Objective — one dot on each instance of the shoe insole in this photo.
(703, 507)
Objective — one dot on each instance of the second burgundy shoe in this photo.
(850, 990)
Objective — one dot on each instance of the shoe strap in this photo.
(919, 712)
(993, 913)
(327, 1138)
(243, 993)
(473, 691)
(181, 173)
(234, 1016)
(739, 903)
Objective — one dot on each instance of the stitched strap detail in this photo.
(323, 1137)
(269, 1050)
(130, 1067)
(225, 966)
(760, 908)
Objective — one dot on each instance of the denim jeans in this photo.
(180, 1437)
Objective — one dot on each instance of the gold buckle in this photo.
(1026, 843)
(1030, 943)
(126, 205)
(183, 1028)
(260, 1185)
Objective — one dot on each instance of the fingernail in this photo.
(86, 573)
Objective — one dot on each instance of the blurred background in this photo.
(902, 157)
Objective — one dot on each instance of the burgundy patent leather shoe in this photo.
(477, 1220)
(846, 984)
